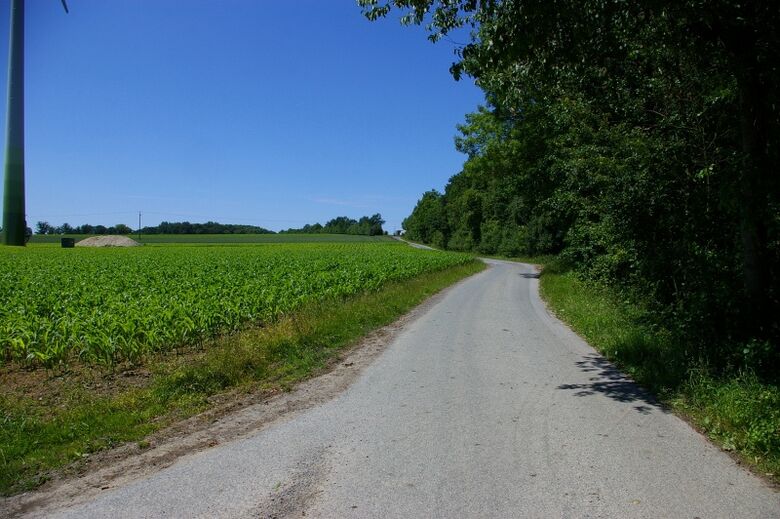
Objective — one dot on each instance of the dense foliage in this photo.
(42, 228)
(367, 226)
(638, 140)
(112, 304)
(163, 228)
(204, 228)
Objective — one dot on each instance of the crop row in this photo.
(113, 304)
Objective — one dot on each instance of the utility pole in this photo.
(13, 192)
(14, 224)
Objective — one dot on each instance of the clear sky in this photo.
(264, 112)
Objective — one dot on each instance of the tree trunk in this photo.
(753, 195)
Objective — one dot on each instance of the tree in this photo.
(367, 226)
(121, 228)
(426, 219)
(375, 225)
(43, 228)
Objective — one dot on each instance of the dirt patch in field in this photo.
(232, 416)
(108, 241)
(47, 391)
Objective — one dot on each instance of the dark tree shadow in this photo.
(607, 380)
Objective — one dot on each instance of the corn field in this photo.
(108, 305)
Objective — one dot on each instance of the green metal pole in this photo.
(13, 194)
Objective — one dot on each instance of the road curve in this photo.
(413, 244)
(485, 406)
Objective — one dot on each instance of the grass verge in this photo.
(76, 413)
(739, 412)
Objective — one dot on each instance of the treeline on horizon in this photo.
(366, 225)
(636, 141)
(204, 228)
(163, 228)
(66, 228)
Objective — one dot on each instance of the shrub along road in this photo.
(485, 406)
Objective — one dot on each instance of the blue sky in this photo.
(240, 111)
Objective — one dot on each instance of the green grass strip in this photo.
(36, 439)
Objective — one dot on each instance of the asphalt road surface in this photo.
(485, 406)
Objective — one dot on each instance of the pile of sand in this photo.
(109, 240)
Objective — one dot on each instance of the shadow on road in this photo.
(607, 380)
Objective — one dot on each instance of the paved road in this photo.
(412, 244)
(484, 407)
